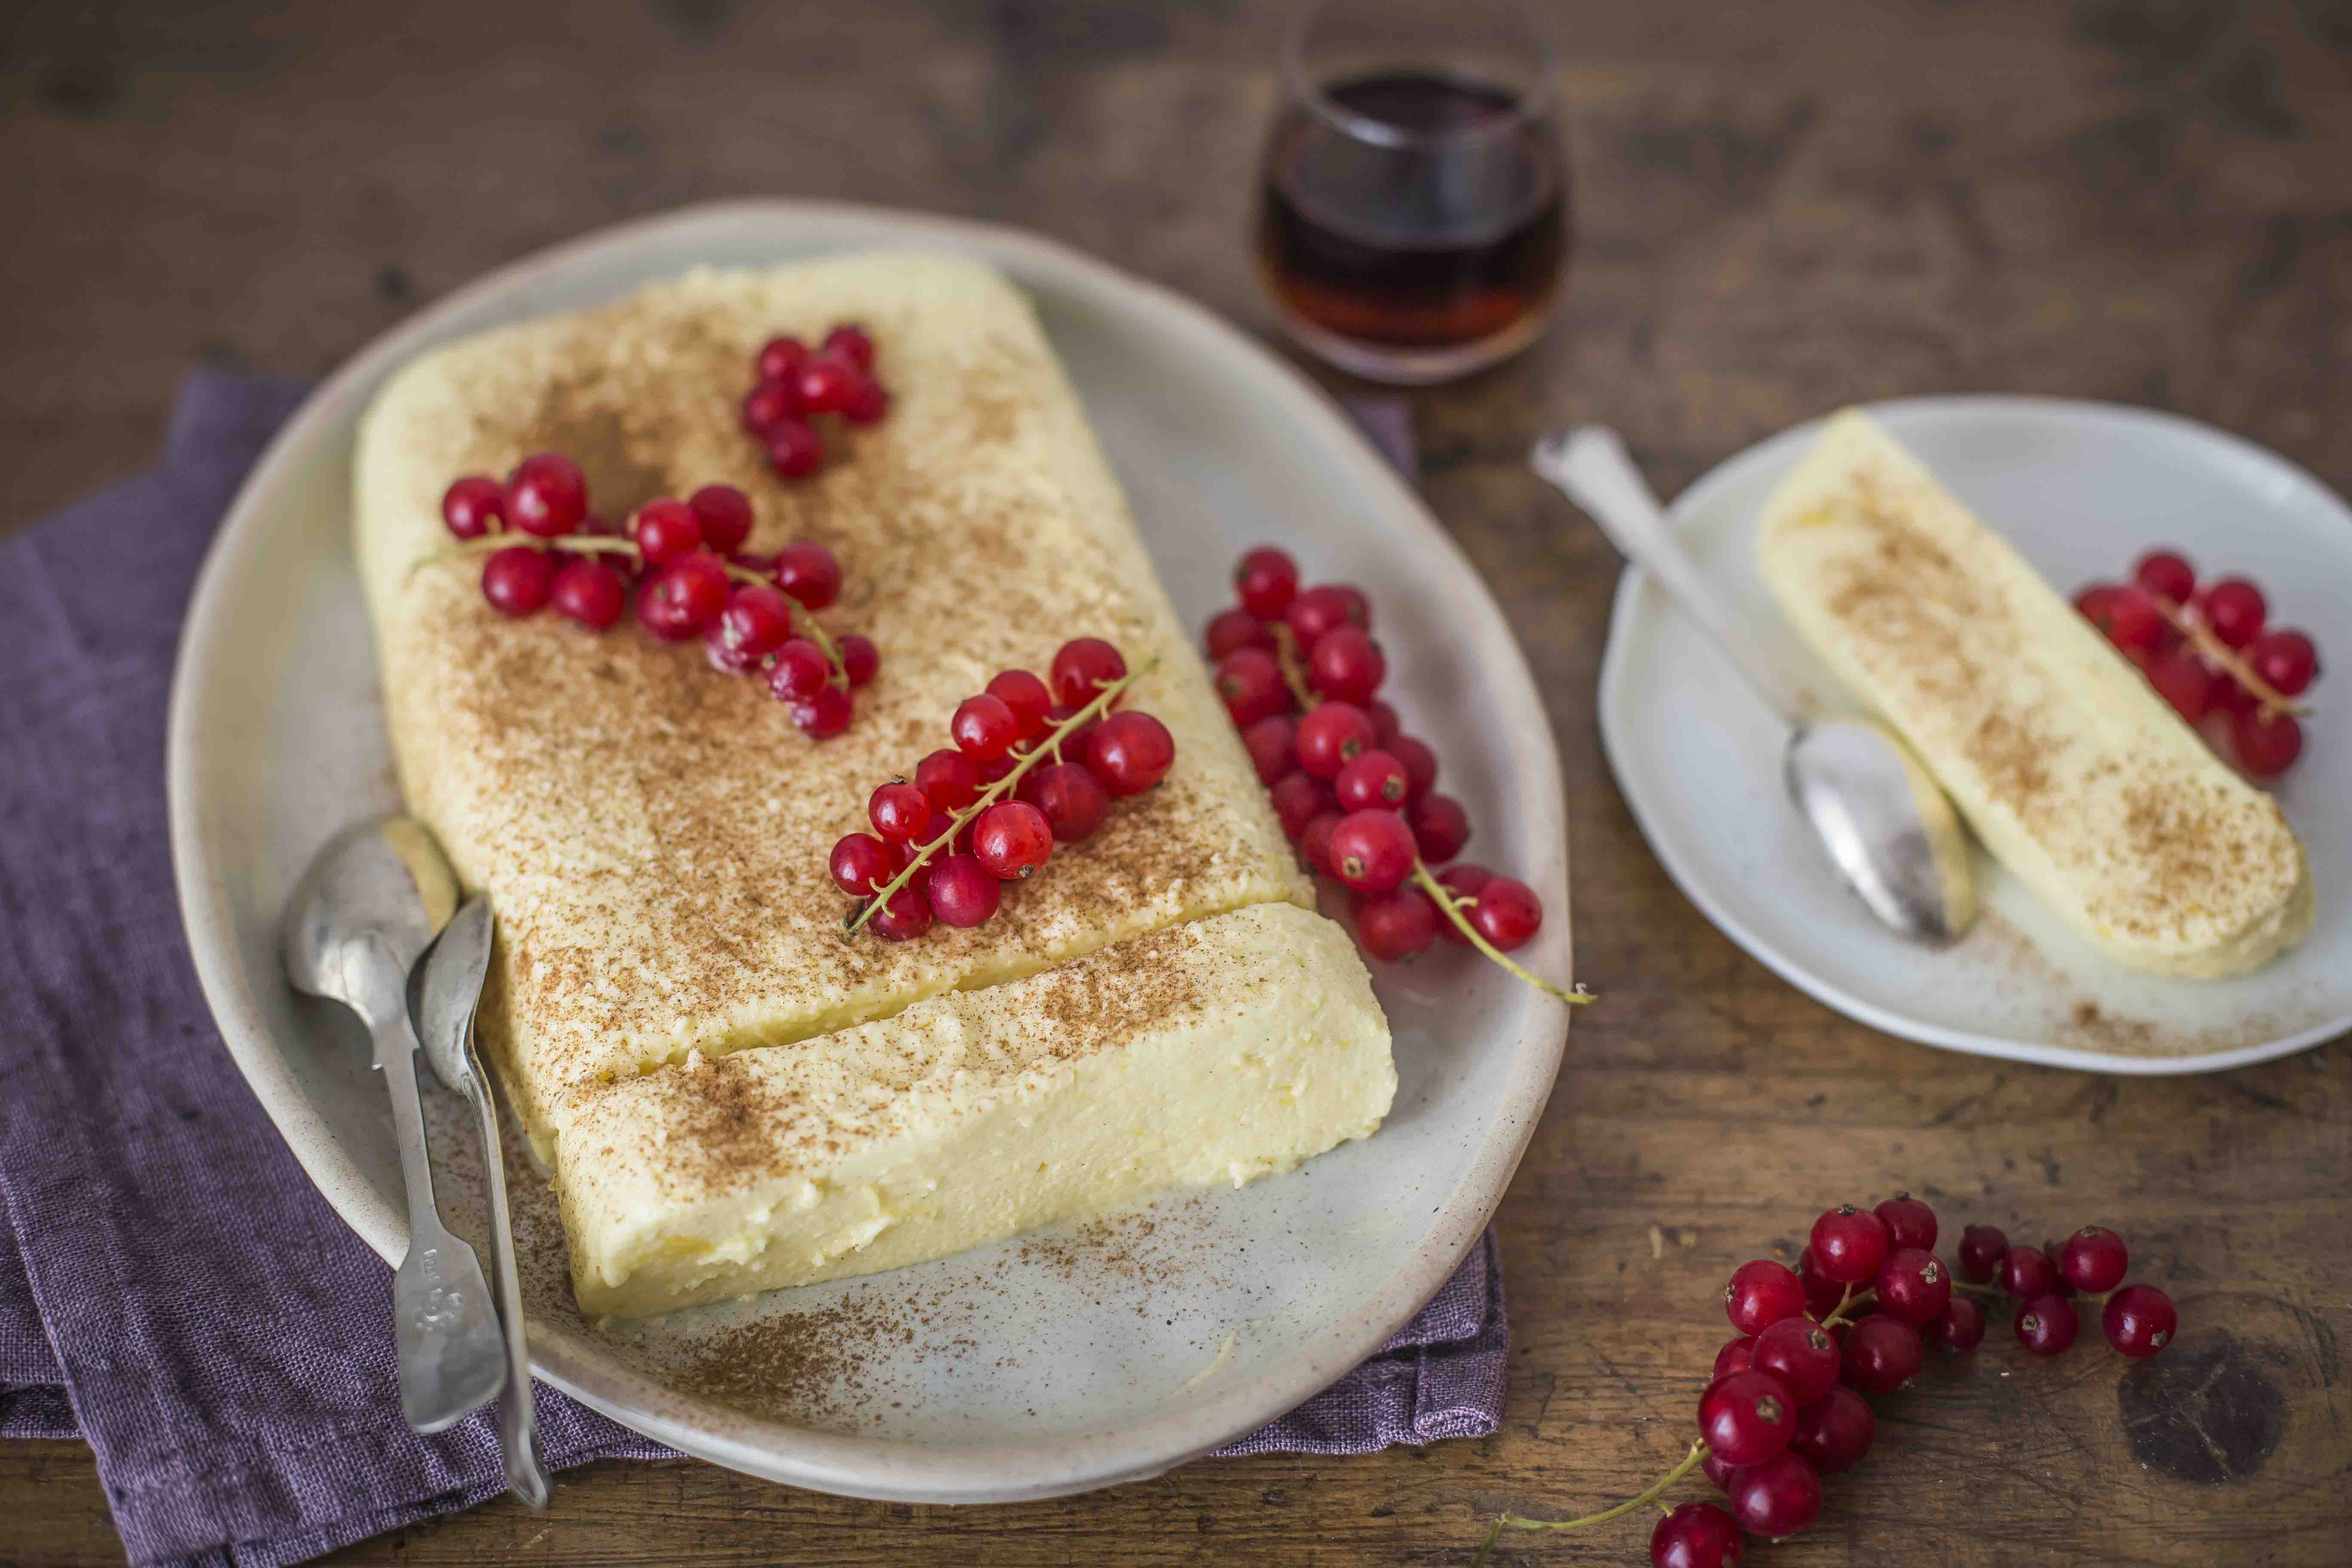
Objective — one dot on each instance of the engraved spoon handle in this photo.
(518, 1422)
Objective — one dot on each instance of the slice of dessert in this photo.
(655, 834)
(2072, 771)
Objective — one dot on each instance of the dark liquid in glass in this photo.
(1436, 238)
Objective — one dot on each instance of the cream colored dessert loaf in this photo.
(655, 833)
(1211, 1052)
(2071, 769)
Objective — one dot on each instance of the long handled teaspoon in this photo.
(1887, 826)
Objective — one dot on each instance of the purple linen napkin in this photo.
(172, 1287)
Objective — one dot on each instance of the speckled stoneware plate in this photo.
(1062, 1361)
(2081, 489)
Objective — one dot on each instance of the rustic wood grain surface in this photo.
(1780, 208)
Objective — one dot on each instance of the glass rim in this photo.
(1533, 105)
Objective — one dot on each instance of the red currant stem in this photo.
(1486, 1547)
(1096, 708)
(1451, 907)
(804, 619)
(1690, 1462)
(1851, 1298)
(2231, 662)
(1993, 1292)
(499, 539)
(1286, 655)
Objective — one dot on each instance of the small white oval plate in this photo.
(1048, 1365)
(2081, 489)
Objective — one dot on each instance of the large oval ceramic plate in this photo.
(2081, 490)
(1073, 1358)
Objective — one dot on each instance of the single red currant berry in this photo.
(960, 890)
(1265, 580)
(860, 659)
(1440, 826)
(800, 671)
(947, 779)
(808, 572)
(1372, 851)
(1507, 914)
(795, 449)
(1738, 1355)
(1296, 798)
(907, 914)
(1082, 668)
(1981, 1249)
(1778, 1497)
(590, 593)
(756, 622)
(1397, 925)
(1384, 722)
(2181, 679)
(2140, 1320)
(1849, 1244)
(1822, 1293)
(2046, 1326)
(983, 727)
(2127, 617)
(477, 505)
(1800, 1354)
(898, 810)
(1320, 610)
(2167, 575)
(2026, 1272)
(1835, 1431)
(1230, 629)
(2266, 747)
(827, 382)
(1271, 745)
(1129, 753)
(1012, 838)
(518, 580)
(1252, 686)
(825, 715)
(666, 530)
(1746, 1417)
(769, 406)
(1881, 1354)
(2287, 660)
(2094, 1259)
(1419, 761)
(861, 865)
(1909, 1223)
(781, 357)
(849, 341)
(1372, 781)
(1026, 695)
(1914, 1286)
(1961, 1327)
(1717, 1472)
(1315, 841)
(683, 601)
(1347, 665)
(1761, 1293)
(866, 403)
(1696, 1535)
(1072, 799)
(2233, 610)
(547, 496)
(1330, 736)
(725, 514)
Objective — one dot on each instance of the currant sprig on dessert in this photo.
(1299, 674)
(1856, 1317)
(684, 561)
(793, 385)
(2207, 651)
(1034, 765)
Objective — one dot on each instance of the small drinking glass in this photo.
(1414, 220)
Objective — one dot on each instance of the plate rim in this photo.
(1629, 602)
(833, 1462)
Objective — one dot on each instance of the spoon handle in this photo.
(518, 1422)
(1590, 464)
(444, 1327)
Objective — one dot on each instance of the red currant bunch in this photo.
(1300, 675)
(1855, 1317)
(685, 561)
(793, 385)
(2207, 651)
(1035, 762)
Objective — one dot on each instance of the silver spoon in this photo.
(442, 992)
(1887, 826)
(362, 915)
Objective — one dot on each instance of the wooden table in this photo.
(1781, 208)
